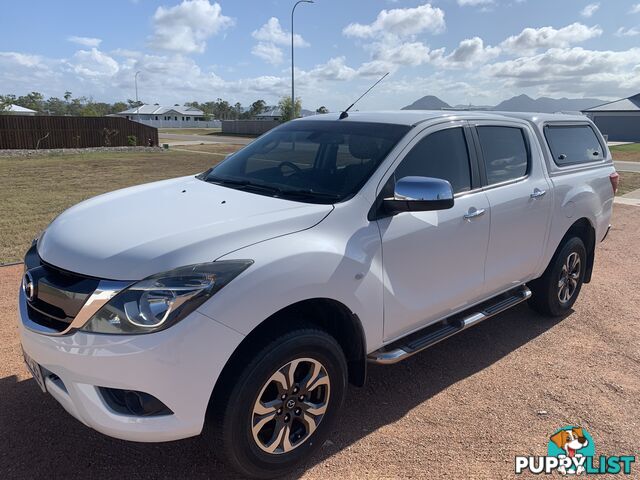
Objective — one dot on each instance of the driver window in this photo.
(442, 154)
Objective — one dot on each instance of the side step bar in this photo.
(429, 336)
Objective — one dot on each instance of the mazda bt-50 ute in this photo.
(241, 301)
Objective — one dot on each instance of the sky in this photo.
(463, 51)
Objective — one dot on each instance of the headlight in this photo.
(159, 301)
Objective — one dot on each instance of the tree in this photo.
(134, 103)
(55, 106)
(257, 108)
(118, 107)
(67, 96)
(33, 100)
(6, 101)
(322, 109)
(289, 110)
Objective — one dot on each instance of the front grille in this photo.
(58, 294)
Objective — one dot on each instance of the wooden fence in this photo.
(248, 127)
(22, 132)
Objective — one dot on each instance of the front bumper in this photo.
(179, 366)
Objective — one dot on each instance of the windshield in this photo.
(309, 161)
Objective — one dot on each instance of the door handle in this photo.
(474, 213)
(537, 193)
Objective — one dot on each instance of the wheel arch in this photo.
(327, 314)
(584, 229)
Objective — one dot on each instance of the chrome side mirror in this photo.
(419, 194)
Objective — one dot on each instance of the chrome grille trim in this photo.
(106, 290)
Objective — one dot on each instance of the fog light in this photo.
(132, 402)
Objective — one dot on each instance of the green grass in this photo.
(34, 190)
(627, 153)
(629, 181)
(189, 131)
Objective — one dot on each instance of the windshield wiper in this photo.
(308, 193)
(244, 184)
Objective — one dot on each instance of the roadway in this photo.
(180, 139)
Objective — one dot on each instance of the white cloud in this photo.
(269, 36)
(469, 52)
(590, 9)
(635, 8)
(532, 39)
(474, 3)
(272, 32)
(21, 59)
(268, 52)
(335, 69)
(401, 22)
(85, 41)
(575, 70)
(93, 63)
(628, 32)
(185, 27)
(408, 53)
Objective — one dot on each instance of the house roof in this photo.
(630, 104)
(19, 109)
(270, 112)
(160, 110)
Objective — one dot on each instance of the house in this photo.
(270, 113)
(619, 120)
(18, 110)
(174, 117)
(274, 113)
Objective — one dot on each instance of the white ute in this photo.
(241, 301)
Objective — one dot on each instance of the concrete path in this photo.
(627, 166)
(631, 198)
(178, 139)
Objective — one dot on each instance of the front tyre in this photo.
(283, 404)
(557, 290)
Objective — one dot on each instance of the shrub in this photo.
(132, 140)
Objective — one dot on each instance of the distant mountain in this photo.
(428, 102)
(524, 103)
(521, 103)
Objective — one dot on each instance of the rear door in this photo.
(520, 198)
(434, 261)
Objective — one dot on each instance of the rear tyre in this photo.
(557, 290)
(283, 405)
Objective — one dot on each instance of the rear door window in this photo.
(573, 144)
(505, 153)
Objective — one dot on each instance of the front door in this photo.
(434, 261)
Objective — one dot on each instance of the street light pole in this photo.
(293, 90)
(137, 102)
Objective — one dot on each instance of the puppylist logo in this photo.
(571, 451)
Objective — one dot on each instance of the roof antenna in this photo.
(345, 114)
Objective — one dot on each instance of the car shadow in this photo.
(40, 438)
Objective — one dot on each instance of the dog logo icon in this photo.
(571, 451)
(572, 443)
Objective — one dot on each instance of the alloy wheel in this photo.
(569, 277)
(290, 406)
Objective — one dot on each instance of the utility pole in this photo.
(293, 90)
(137, 102)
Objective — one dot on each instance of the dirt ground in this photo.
(463, 409)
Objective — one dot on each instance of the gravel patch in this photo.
(68, 151)
(463, 409)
